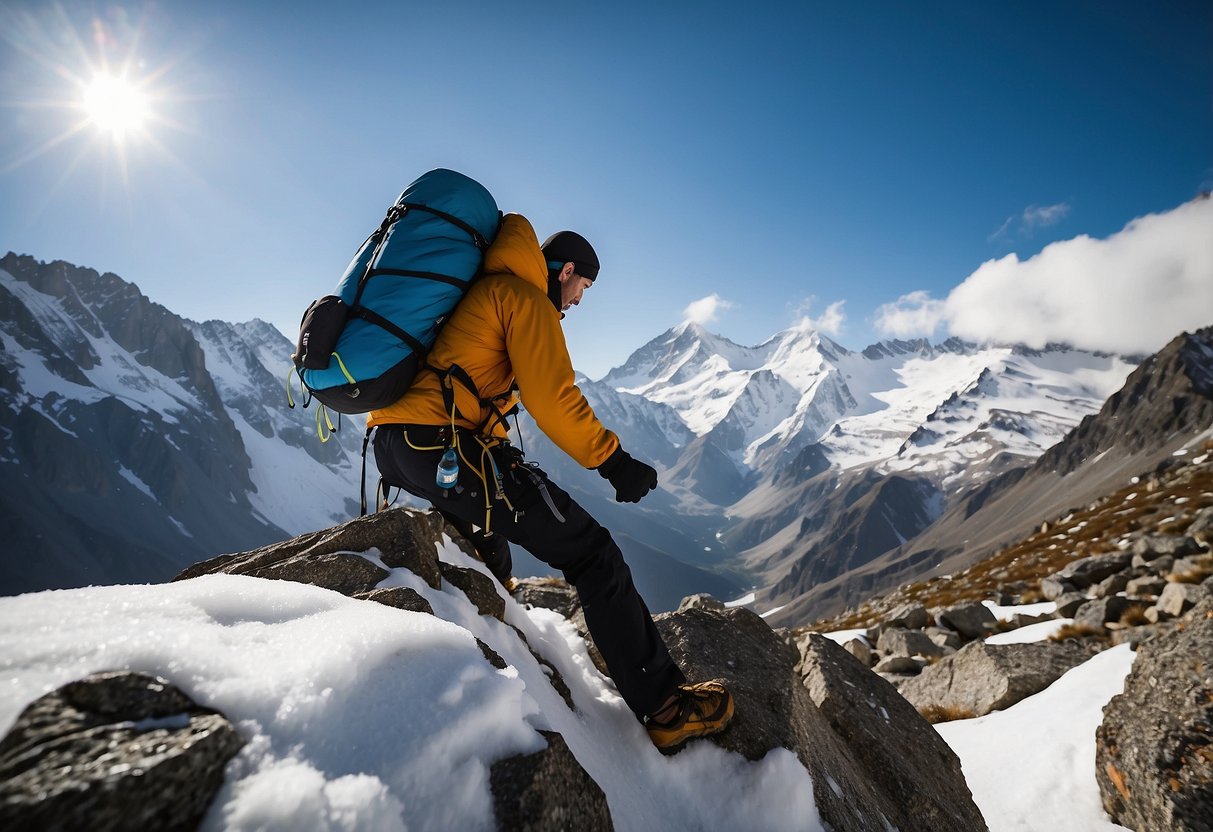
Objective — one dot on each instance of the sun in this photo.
(116, 106)
(93, 89)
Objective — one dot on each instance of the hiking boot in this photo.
(699, 710)
(510, 585)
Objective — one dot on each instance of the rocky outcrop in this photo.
(113, 751)
(400, 597)
(547, 791)
(970, 620)
(903, 754)
(1154, 750)
(401, 537)
(775, 709)
(479, 588)
(548, 593)
(982, 677)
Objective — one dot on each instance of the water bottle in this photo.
(448, 469)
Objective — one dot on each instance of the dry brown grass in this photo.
(1194, 575)
(1134, 615)
(1080, 631)
(936, 714)
(1079, 532)
(1032, 595)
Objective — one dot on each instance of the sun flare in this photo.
(116, 106)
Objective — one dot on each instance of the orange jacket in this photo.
(505, 330)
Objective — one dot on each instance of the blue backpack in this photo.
(360, 348)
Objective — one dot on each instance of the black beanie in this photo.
(571, 247)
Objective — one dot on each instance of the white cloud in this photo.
(705, 310)
(830, 322)
(913, 315)
(1129, 293)
(1033, 217)
(1042, 216)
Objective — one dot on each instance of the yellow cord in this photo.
(409, 442)
(290, 400)
(344, 371)
(322, 419)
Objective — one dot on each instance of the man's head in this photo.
(572, 267)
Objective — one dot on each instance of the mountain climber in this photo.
(446, 441)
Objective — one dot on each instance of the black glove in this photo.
(631, 477)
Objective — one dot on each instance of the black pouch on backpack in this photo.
(318, 332)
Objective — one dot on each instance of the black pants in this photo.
(583, 550)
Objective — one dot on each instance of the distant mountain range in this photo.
(786, 467)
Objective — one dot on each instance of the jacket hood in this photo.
(516, 251)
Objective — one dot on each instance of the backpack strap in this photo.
(457, 373)
(477, 238)
(366, 440)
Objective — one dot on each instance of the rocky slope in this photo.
(1135, 567)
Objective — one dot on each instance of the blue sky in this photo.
(781, 157)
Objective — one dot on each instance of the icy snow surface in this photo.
(1032, 766)
(1031, 633)
(1006, 613)
(359, 716)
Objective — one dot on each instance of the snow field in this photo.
(1031, 767)
(361, 716)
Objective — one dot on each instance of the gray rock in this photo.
(1147, 586)
(982, 677)
(1020, 619)
(342, 572)
(1176, 598)
(899, 642)
(1085, 572)
(970, 620)
(1153, 757)
(895, 680)
(700, 601)
(1156, 616)
(899, 664)
(549, 594)
(403, 537)
(1201, 527)
(480, 589)
(944, 637)
(1200, 565)
(1100, 611)
(1136, 636)
(909, 616)
(1111, 585)
(1160, 565)
(113, 751)
(547, 791)
(774, 710)
(1155, 546)
(859, 648)
(1068, 604)
(493, 657)
(889, 740)
(1054, 587)
(400, 597)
